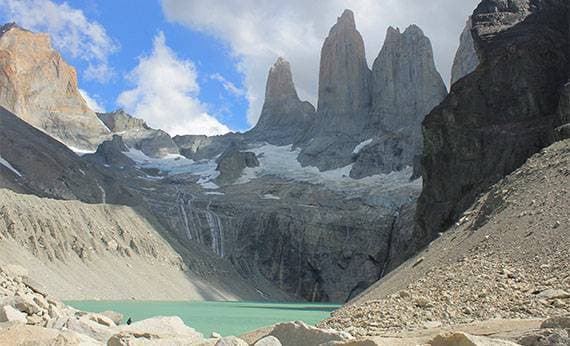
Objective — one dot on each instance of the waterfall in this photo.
(182, 208)
(216, 231)
(103, 194)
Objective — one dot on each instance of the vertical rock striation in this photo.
(466, 59)
(499, 115)
(406, 86)
(344, 98)
(344, 78)
(284, 117)
(41, 88)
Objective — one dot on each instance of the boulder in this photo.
(39, 336)
(10, 314)
(167, 330)
(231, 341)
(87, 325)
(300, 334)
(463, 339)
(562, 322)
(116, 317)
(268, 341)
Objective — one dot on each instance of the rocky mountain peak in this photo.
(280, 84)
(466, 59)
(119, 121)
(41, 88)
(284, 117)
(7, 27)
(405, 82)
(344, 78)
(345, 22)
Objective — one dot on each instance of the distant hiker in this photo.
(129, 321)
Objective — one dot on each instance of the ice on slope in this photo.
(362, 145)
(282, 162)
(9, 166)
(173, 164)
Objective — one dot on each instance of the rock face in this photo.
(466, 59)
(284, 117)
(344, 98)
(405, 88)
(48, 168)
(119, 121)
(37, 85)
(480, 269)
(232, 163)
(111, 153)
(344, 78)
(495, 118)
(137, 135)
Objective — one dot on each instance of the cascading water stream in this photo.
(216, 231)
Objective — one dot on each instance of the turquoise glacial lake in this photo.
(226, 318)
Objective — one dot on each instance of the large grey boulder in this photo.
(466, 59)
(300, 334)
(10, 314)
(284, 118)
(463, 339)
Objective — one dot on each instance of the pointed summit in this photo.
(466, 59)
(406, 85)
(284, 117)
(279, 83)
(344, 79)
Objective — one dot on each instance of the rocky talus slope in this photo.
(40, 87)
(507, 258)
(87, 251)
(29, 316)
(499, 115)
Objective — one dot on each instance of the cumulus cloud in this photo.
(165, 94)
(259, 31)
(91, 102)
(70, 30)
(227, 85)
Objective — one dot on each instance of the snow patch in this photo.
(173, 164)
(281, 162)
(9, 166)
(80, 152)
(362, 145)
(270, 196)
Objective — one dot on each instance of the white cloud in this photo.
(228, 86)
(259, 31)
(165, 94)
(91, 102)
(70, 30)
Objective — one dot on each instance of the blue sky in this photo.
(135, 37)
(200, 66)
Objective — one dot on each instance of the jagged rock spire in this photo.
(466, 59)
(406, 84)
(344, 79)
(284, 117)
